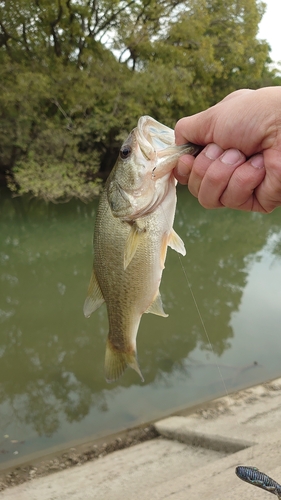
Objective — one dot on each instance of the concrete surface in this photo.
(194, 457)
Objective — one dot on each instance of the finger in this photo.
(218, 176)
(229, 125)
(199, 128)
(239, 192)
(268, 193)
(200, 166)
(196, 128)
(183, 168)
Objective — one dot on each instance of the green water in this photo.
(52, 389)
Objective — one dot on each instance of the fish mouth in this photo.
(153, 136)
(157, 144)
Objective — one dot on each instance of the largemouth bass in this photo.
(132, 232)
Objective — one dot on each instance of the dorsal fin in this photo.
(94, 297)
(132, 243)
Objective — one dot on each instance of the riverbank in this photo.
(195, 451)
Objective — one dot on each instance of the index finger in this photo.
(183, 168)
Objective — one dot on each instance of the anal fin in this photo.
(156, 307)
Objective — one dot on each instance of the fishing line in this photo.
(251, 449)
(200, 316)
(202, 322)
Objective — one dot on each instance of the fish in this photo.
(133, 228)
(253, 476)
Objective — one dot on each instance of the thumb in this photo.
(198, 128)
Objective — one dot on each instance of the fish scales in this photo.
(130, 292)
(132, 231)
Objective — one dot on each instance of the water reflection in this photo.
(51, 372)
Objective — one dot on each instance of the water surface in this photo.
(52, 387)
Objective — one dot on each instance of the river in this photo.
(223, 331)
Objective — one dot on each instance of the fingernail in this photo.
(231, 156)
(213, 151)
(257, 161)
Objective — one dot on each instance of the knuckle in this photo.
(208, 203)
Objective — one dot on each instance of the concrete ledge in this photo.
(177, 429)
(214, 440)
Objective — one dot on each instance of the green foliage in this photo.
(75, 77)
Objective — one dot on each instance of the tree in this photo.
(75, 77)
(208, 50)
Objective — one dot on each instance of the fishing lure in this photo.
(253, 476)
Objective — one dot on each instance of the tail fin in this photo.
(116, 363)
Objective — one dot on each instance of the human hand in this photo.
(240, 167)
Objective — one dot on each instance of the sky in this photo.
(270, 28)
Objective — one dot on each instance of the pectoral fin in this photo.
(156, 307)
(176, 243)
(132, 243)
(94, 297)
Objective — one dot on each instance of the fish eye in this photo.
(125, 152)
